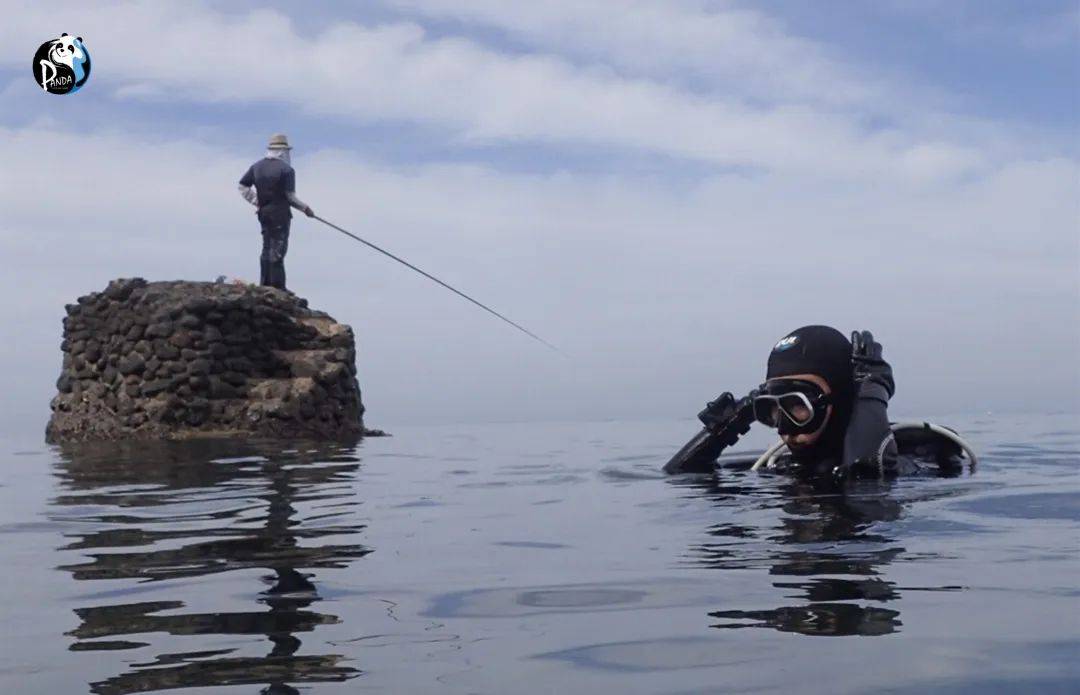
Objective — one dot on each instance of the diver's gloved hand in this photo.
(717, 411)
(868, 366)
(725, 410)
(725, 420)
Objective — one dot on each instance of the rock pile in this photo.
(176, 359)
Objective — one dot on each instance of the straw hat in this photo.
(278, 141)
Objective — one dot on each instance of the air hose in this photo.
(768, 458)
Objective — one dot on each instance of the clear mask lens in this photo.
(796, 407)
(767, 411)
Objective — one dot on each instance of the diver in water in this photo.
(827, 397)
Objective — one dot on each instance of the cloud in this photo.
(397, 73)
(1037, 27)
(721, 47)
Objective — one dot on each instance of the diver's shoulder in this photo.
(908, 449)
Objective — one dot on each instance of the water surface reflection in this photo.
(170, 511)
(829, 537)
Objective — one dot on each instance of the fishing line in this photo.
(431, 277)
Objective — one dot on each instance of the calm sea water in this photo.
(533, 559)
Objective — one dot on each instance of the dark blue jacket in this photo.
(273, 180)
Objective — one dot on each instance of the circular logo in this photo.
(62, 65)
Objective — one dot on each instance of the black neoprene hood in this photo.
(820, 350)
(824, 351)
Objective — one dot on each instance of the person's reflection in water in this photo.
(825, 531)
(190, 509)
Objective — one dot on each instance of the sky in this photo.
(662, 189)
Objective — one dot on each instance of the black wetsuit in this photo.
(859, 443)
(906, 453)
(274, 180)
(867, 441)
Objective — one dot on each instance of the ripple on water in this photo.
(630, 474)
(1044, 505)
(673, 654)
(540, 545)
(160, 512)
(516, 602)
(201, 565)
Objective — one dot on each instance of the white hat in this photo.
(278, 141)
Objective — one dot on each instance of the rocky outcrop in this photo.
(180, 359)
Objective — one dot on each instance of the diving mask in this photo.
(792, 406)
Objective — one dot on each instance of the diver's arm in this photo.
(868, 436)
(868, 440)
(725, 420)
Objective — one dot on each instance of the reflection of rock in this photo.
(139, 618)
(194, 464)
(127, 493)
(172, 359)
(196, 671)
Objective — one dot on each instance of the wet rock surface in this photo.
(180, 359)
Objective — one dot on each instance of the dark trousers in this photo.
(275, 234)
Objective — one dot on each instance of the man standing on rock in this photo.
(270, 185)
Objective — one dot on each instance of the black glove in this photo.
(720, 413)
(867, 364)
(725, 420)
(717, 412)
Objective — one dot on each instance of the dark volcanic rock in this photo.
(132, 364)
(184, 359)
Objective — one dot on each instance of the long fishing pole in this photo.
(431, 277)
